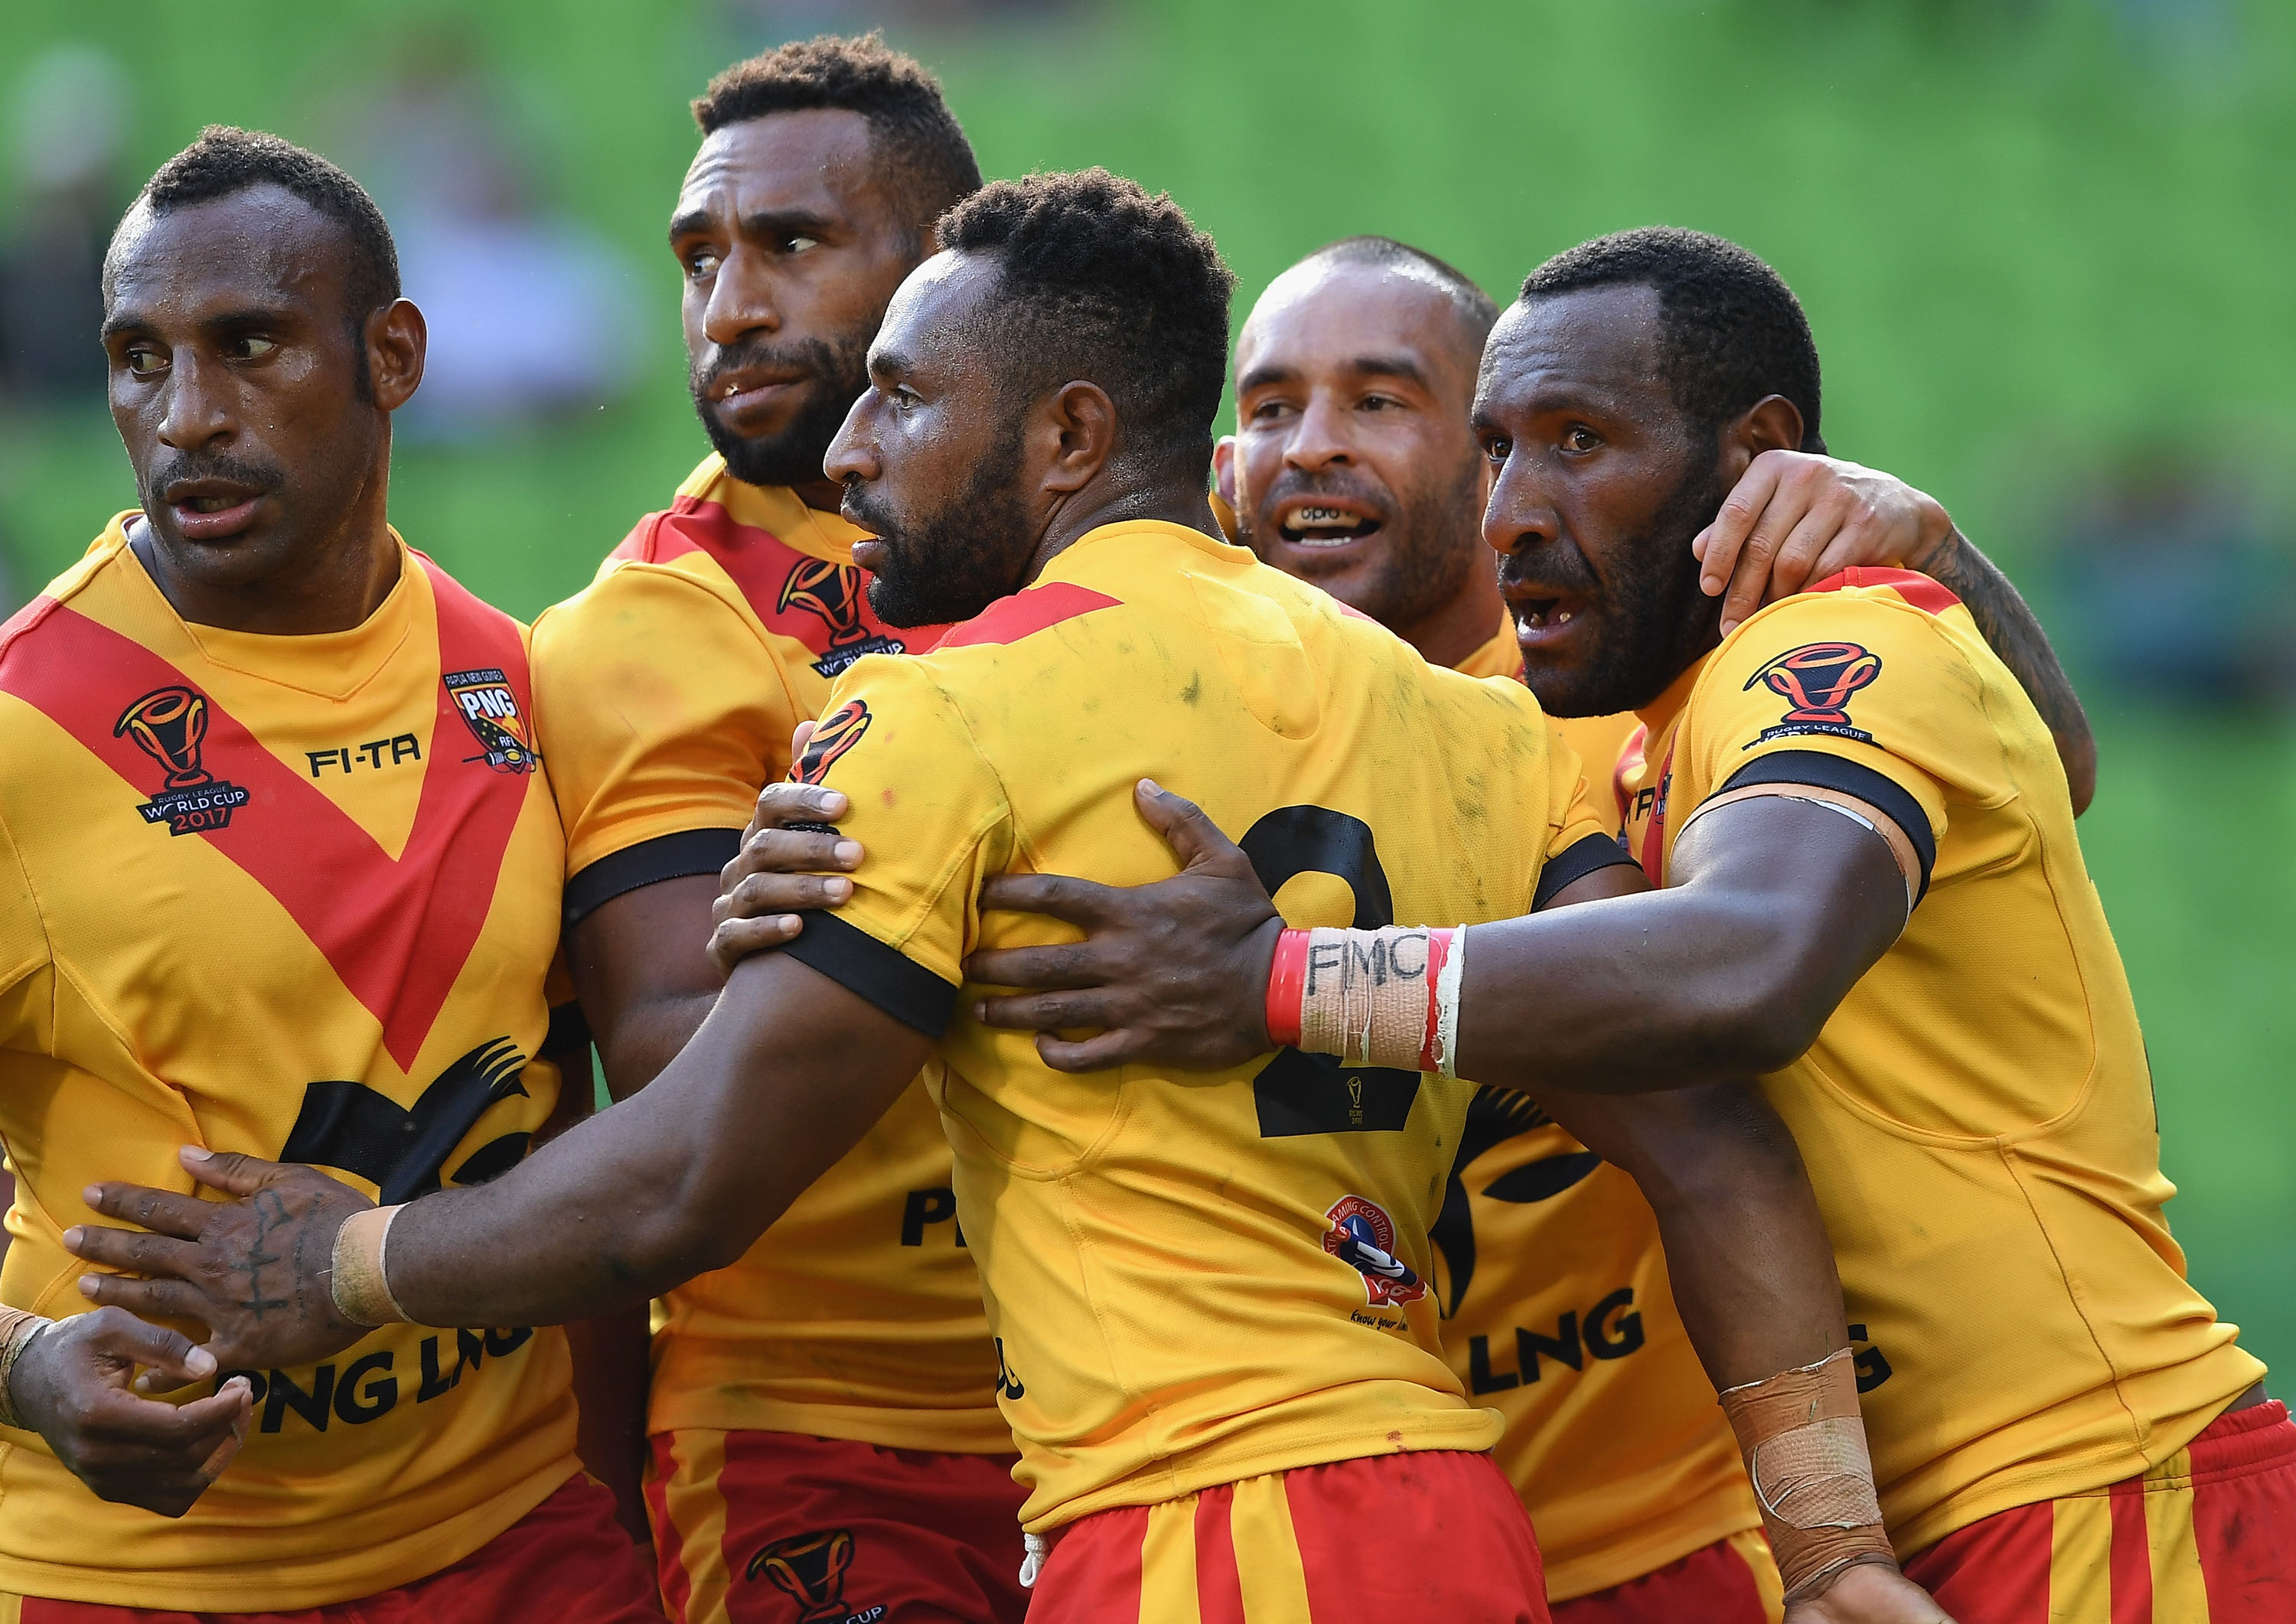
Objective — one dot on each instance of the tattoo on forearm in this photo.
(2007, 624)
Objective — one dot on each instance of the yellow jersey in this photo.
(295, 897)
(1192, 1278)
(1559, 1314)
(665, 692)
(1977, 1117)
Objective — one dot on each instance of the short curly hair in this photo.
(1098, 280)
(226, 160)
(1730, 331)
(911, 129)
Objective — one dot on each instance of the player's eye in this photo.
(143, 359)
(249, 348)
(1578, 437)
(1380, 403)
(1268, 411)
(1498, 450)
(798, 245)
(701, 263)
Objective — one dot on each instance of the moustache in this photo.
(1299, 484)
(861, 509)
(1558, 564)
(185, 465)
(806, 358)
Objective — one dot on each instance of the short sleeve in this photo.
(660, 712)
(1861, 694)
(1579, 839)
(932, 816)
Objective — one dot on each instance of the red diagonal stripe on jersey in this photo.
(1026, 613)
(1915, 587)
(397, 931)
(759, 563)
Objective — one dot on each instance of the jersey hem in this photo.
(935, 1432)
(1474, 1431)
(2008, 1490)
(288, 1585)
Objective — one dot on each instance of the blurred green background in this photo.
(2046, 248)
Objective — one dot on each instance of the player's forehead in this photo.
(1323, 317)
(1596, 348)
(815, 161)
(260, 249)
(936, 315)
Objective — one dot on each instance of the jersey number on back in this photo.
(1315, 1094)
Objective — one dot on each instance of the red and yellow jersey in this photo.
(665, 693)
(1192, 1278)
(1977, 1117)
(294, 896)
(1558, 1315)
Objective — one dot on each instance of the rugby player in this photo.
(283, 876)
(1355, 465)
(1875, 896)
(847, 1351)
(1209, 1289)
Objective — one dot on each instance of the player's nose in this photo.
(1318, 439)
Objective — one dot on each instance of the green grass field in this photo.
(2032, 239)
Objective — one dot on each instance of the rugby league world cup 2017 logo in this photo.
(831, 593)
(1816, 680)
(170, 724)
(483, 699)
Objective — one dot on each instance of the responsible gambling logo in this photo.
(170, 726)
(1362, 1237)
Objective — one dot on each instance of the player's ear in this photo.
(1223, 470)
(396, 337)
(1774, 423)
(1086, 420)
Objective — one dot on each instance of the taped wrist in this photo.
(1383, 998)
(17, 1330)
(361, 1286)
(1804, 1445)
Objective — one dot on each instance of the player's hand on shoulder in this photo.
(256, 1271)
(1794, 519)
(1869, 1594)
(71, 1385)
(1173, 974)
(791, 859)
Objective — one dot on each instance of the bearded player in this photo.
(1353, 465)
(1874, 894)
(1218, 1347)
(281, 875)
(829, 1401)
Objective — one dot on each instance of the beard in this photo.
(1430, 544)
(949, 562)
(840, 374)
(1654, 621)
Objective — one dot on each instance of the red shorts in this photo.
(1423, 1534)
(567, 1561)
(2207, 1537)
(777, 1528)
(1731, 1581)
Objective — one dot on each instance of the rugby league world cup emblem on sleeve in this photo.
(1816, 680)
(170, 726)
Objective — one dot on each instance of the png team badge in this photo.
(484, 700)
(1362, 1237)
(832, 593)
(1816, 680)
(169, 725)
(810, 1568)
(838, 733)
